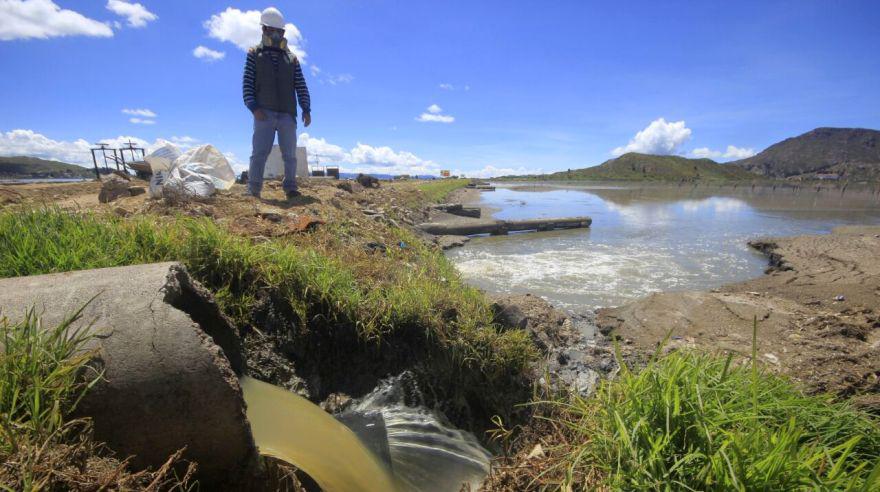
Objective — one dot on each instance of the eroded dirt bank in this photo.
(817, 311)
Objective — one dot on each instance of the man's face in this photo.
(273, 33)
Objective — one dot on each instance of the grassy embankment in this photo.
(43, 373)
(410, 294)
(437, 190)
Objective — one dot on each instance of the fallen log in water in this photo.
(495, 227)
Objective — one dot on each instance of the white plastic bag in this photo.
(189, 179)
(162, 158)
(157, 181)
(207, 160)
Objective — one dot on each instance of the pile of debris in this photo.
(198, 173)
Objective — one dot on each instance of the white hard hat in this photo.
(272, 17)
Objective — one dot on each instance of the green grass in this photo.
(40, 379)
(40, 383)
(437, 190)
(693, 421)
(330, 286)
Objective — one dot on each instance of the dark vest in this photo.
(274, 87)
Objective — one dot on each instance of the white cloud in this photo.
(146, 113)
(738, 152)
(324, 77)
(236, 164)
(42, 19)
(142, 121)
(732, 152)
(184, 141)
(659, 137)
(447, 87)
(243, 30)
(208, 54)
(705, 153)
(364, 158)
(136, 14)
(435, 118)
(30, 143)
(342, 78)
(433, 115)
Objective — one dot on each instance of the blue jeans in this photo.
(264, 137)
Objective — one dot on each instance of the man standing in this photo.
(273, 82)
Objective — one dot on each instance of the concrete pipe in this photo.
(169, 357)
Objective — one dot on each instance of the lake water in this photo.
(644, 239)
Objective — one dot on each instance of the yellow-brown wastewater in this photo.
(420, 451)
(289, 427)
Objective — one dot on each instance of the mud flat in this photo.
(816, 310)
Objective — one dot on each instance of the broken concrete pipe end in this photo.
(169, 357)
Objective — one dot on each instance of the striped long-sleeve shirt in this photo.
(249, 90)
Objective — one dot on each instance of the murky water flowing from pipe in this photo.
(289, 427)
(383, 445)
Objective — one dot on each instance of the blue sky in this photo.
(506, 86)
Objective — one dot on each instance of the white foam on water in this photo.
(603, 275)
(427, 453)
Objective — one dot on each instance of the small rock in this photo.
(350, 186)
(270, 216)
(336, 403)
(367, 181)
(536, 452)
(113, 187)
(120, 211)
(373, 247)
(840, 298)
(772, 358)
(449, 242)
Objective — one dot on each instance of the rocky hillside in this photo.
(34, 168)
(848, 153)
(644, 167)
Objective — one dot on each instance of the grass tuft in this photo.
(693, 421)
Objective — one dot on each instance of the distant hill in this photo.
(34, 168)
(850, 153)
(645, 167)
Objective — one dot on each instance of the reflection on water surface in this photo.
(644, 240)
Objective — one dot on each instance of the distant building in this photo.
(445, 173)
(275, 165)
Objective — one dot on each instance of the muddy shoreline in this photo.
(816, 310)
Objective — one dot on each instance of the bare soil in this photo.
(817, 312)
(322, 201)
